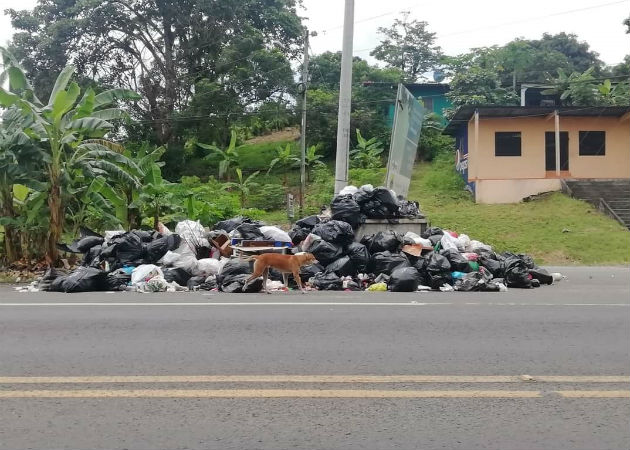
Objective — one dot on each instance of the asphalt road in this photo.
(539, 369)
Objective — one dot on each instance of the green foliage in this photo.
(312, 159)
(75, 157)
(367, 153)
(285, 159)
(269, 197)
(409, 47)
(479, 86)
(581, 89)
(243, 186)
(359, 177)
(228, 158)
(432, 141)
(320, 192)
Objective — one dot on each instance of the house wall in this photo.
(484, 166)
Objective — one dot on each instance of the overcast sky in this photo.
(459, 24)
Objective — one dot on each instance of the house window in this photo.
(592, 143)
(507, 143)
(428, 103)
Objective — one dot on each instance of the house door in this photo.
(550, 150)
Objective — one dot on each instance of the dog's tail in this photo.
(250, 257)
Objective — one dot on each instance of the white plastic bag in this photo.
(144, 273)
(410, 235)
(348, 190)
(448, 242)
(310, 239)
(206, 267)
(367, 188)
(476, 245)
(275, 234)
(111, 233)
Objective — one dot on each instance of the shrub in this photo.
(359, 177)
(269, 197)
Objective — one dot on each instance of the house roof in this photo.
(444, 87)
(465, 113)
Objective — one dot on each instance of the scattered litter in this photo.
(193, 257)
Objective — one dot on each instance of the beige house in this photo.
(506, 153)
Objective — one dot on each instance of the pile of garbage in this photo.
(193, 257)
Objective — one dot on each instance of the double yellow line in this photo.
(8, 384)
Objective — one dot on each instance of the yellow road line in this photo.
(594, 394)
(315, 379)
(262, 393)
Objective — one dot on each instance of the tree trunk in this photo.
(11, 236)
(170, 76)
(56, 220)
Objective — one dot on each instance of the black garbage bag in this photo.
(210, 284)
(92, 256)
(308, 222)
(117, 280)
(176, 274)
(408, 208)
(232, 268)
(327, 281)
(236, 284)
(335, 231)
(517, 273)
(438, 271)
(145, 236)
(386, 241)
(250, 231)
(51, 274)
(528, 260)
(359, 255)
(228, 224)
(85, 279)
(307, 272)
(157, 248)
(435, 238)
(298, 234)
(129, 249)
(404, 279)
(542, 275)
(56, 285)
(231, 224)
(379, 204)
(473, 281)
(438, 263)
(88, 242)
(432, 231)
(345, 208)
(193, 282)
(458, 261)
(496, 268)
(435, 280)
(325, 252)
(386, 262)
(342, 267)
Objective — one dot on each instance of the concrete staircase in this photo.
(612, 197)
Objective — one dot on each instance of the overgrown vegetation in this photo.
(554, 229)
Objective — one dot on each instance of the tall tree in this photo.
(409, 46)
(162, 48)
(578, 53)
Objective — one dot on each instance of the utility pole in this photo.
(303, 130)
(345, 98)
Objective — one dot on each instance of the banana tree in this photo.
(243, 186)
(124, 195)
(61, 126)
(312, 159)
(367, 153)
(228, 158)
(284, 160)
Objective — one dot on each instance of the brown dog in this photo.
(284, 263)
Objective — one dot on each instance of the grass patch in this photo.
(257, 156)
(534, 227)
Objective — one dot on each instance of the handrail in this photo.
(606, 209)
